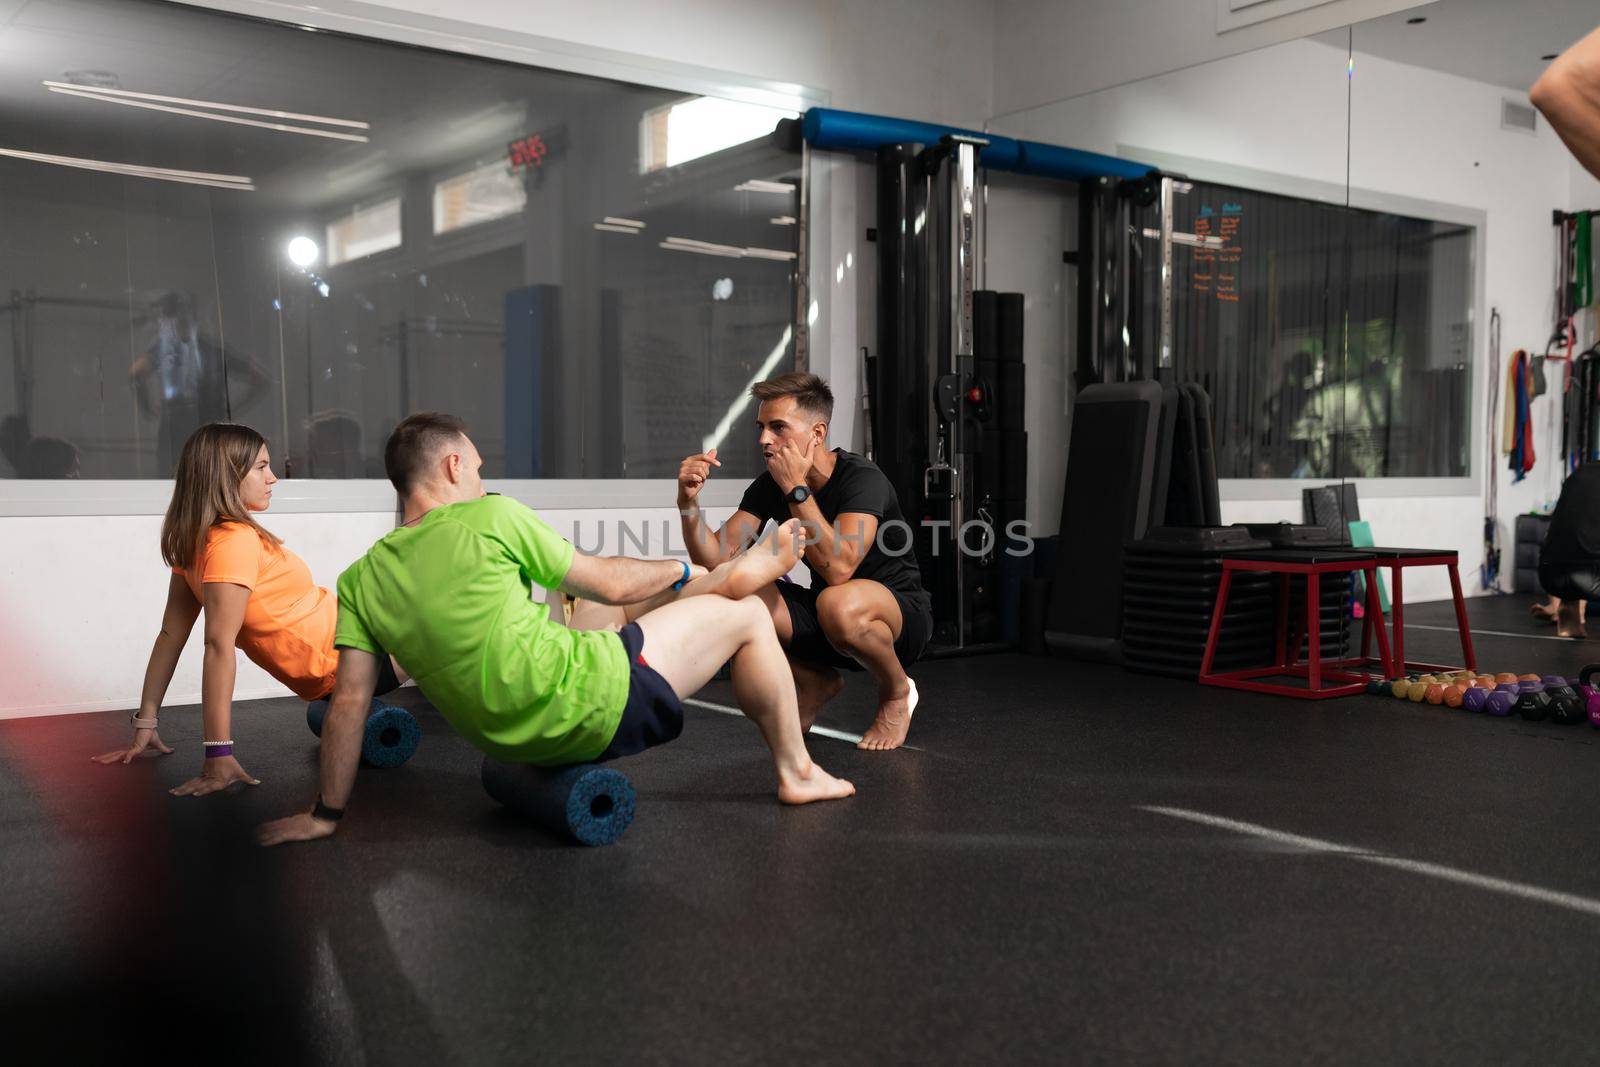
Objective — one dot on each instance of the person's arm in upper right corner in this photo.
(1568, 93)
(176, 622)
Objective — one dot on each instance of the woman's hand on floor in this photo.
(218, 775)
(145, 742)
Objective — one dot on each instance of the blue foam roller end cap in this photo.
(592, 805)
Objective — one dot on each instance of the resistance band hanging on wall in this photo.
(1519, 436)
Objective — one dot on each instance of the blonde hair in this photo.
(215, 460)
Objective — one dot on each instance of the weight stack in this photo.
(1169, 591)
(1335, 590)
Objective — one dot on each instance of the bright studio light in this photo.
(303, 251)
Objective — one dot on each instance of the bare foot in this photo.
(815, 784)
(1542, 611)
(889, 729)
(813, 688)
(758, 566)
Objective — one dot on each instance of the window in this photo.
(482, 194)
(165, 264)
(1334, 342)
(690, 129)
(364, 232)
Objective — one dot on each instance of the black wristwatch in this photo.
(798, 495)
(325, 813)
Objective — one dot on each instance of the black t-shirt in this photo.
(1574, 535)
(856, 486)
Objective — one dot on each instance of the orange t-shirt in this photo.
(289, 620)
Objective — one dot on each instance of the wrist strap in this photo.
(218, 749)
(686, 572)
(142, 724)
(325, 813)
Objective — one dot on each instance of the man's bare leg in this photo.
(688, 640)
(1570, 622)
(814, 685)
(862, 619)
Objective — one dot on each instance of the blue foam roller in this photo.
(591, 805)
(391, 736)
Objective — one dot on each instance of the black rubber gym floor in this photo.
(1412, 884)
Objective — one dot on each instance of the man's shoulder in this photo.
(860, 468)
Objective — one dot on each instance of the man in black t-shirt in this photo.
(1569, 562)
(866, 607)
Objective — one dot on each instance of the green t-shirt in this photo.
(449, 598)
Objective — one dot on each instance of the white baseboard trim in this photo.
(174, 700)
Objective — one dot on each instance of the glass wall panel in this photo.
(207, 217)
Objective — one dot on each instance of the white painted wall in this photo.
(1414, 133)
(77, 637)
(1047, 50)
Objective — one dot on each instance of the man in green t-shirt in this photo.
(447, 593)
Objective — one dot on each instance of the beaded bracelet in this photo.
(215, 749)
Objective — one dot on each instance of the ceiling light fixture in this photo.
(783, 220)
(757, 185)
(615, 229)
(302, 251)
(705, 248)
(214, 105)
(95, 94)
(135, 170)
(630, 223)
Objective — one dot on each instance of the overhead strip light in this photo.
(212, 104)
(634, 224)
(281, 127)
(135, 170)
(757, 185)
(783, 220)
(689, 244)
(615, 229)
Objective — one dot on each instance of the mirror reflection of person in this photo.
(183, 377)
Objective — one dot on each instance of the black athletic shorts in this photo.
(388, 681)
(1570, 581)
(811, 645)
(654, 714)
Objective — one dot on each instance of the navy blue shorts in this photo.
(654, 714)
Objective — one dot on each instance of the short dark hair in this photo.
(811, 394)
(414, 442)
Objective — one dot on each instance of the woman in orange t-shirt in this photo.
(257, 596)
